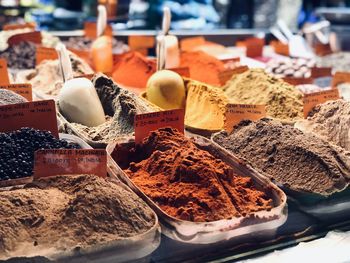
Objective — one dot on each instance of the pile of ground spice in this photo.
(205, 106)
(47, 76)
(331, 121)
(62, 213)
(133, 69)
(283, 101)
(299, 161)
(9, 97)
(337, 61)
(189, 183)
(203, 67)
(120, 106)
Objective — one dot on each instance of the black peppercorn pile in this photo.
(17, 151)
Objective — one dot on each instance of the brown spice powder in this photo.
(189, 183)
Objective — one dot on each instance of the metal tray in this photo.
(321, 207)
(260, 223)
(25, 180)
(122, 250)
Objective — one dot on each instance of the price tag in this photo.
(253, 45)
(184, 71)
(39, 115)
(141, 42)
(31, 25)
(90, 30)
(340, 77)
(298, 81)
(320, 72)
(322, 49)
(190, 43)
(4, 76)
(147, 122)
(45, 53)
(34, 37)
(85, 55)
(313, 99)
(227, 74)
(25, 90)
(235, 113)
(70, 161)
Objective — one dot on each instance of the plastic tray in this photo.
(319, 206)
(25, 180)
(262, 223)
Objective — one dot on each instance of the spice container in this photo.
(263, 222)
(97, 224)
(71, 139)
(311, 171)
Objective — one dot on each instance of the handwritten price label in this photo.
(4, 77)
(71, 161)
(25, 90)
(313, 99)
(340, 77)
(235, 113)
(147, 122)
(34, 37)
(44, 53)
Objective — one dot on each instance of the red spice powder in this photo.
(133, 69)
(189, 183)
(203, 67)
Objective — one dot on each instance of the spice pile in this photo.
(85, 43)
(189, 183)
(47, 76)
(203, 67)
(205, 106)
(133, 69)
(337, 61)
(296, 160)
(330, 121)
(290, 67)
(62, 213)
(283, 101)
(9, 97)
(120, 106)
(20, 56)
(17, 151)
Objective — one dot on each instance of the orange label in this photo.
(30, 25)
(25, 90)
(340, 77)
(227, 74)
(280, 48)
(39, 115)
(313, 99)
(147, 122)
(4, 76)
(45, 53)
(298, 81)
(253, 45)
(141, 42)
(90, 30)
(320, 72)
(51, 162)
(190, 43)
(34, 37)
(235, 113)
(184, 72)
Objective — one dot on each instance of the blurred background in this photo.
(186, 14)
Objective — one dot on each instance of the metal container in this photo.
(262, 223)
